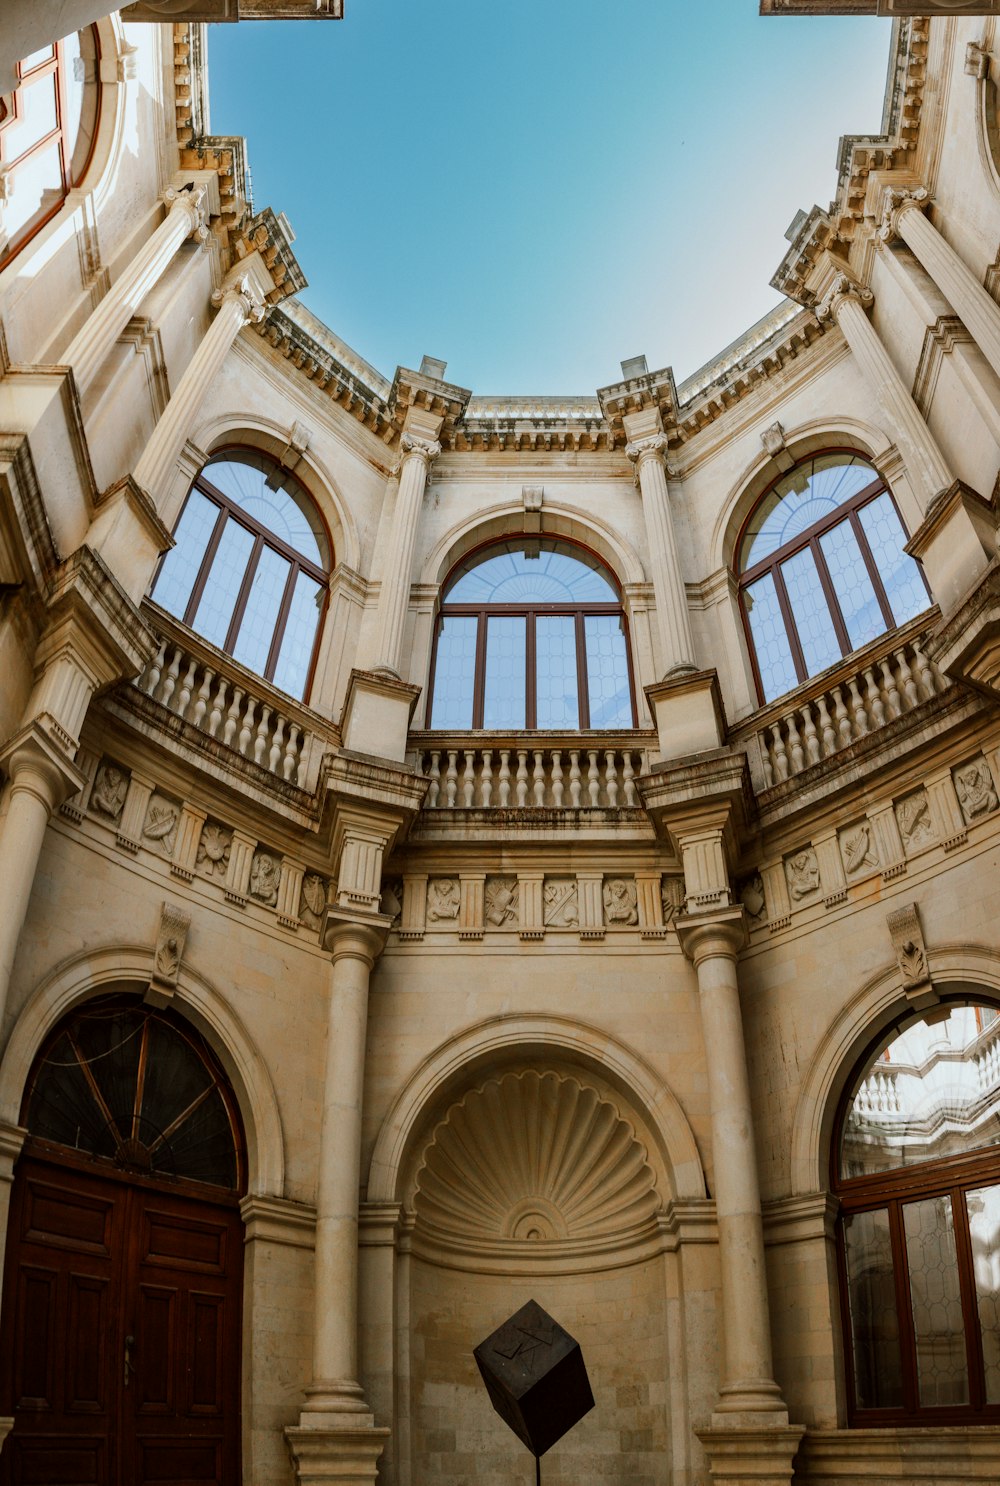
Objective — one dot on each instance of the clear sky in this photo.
(533, 190)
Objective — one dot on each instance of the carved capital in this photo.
(192, 201)
(413, 445)
(244, 292)
(894, 203)
(841, 291)
(641, 450)
(712, 936)
(37, 761)
(349, 936)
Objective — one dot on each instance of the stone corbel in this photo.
(531, 499)
(776, 446)
(171, 937)
(911, 956)
(977, 61)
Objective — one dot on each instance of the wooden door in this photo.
(122, 1304)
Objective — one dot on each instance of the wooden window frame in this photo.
(530, 612)
(772, 564)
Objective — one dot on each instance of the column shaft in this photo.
(395, 591)
(978, 312)
(928, 466)
(674, 620)
(92, 344)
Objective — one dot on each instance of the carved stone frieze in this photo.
(160, 826)
(265, 877)
(214, 850)
(802, 873)
(107, 798)
(391, 902)
(751, 895)
(672, 898)
(501, 903)
(916, 824)
(621, 909)
(561, 903)
(858, 849)
(444, 899)
(976, 790)
(312, 900)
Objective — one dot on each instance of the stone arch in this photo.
(558, 520)
(505, 1041)
(111, 145)
(954, 969)
(987, 107)
(129, 967)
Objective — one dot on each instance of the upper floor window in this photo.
(531, 635)
(917, 1170)
(822, 569)
(248, 571)
(47, 136)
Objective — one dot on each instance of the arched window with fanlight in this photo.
(822, 569)
(531, 634)
(249, 567)
(47, 135)
(916, 1166)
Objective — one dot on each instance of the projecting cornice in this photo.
(417, 389)
(880, 7)
(649, 391)
(201, 11)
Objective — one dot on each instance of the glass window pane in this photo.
(983, 1208)
(900, 575)
(806, 495)
(532, 572)
(820, 647)
(292, 671)
(930, 1092)
(770, 639)
(272, 497)
(936, 1300)
(557, 692)
(854, 589)
(180, 566)
(256, 632)
(36, 117)
(454, 673)
(871, 1299)
(38, 186)
(215, 609)
(505, 672)
(607, 672)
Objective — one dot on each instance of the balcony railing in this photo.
(226, 702)
(531, 771)
(873, 687)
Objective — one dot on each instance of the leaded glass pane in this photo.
(39, 183)
(180, 566)
(215, 609)
(292, 670)
(532, 573)
(936, 1302)
(271, 497)
(871, 1298)
(806, 495)
(770, 639)
(904, 587)
(983, 1207)
(932, 1091)
(455, 672)
(253, 642)
(557, 690)
(607, 672)
(35, 118)
(855, 591)
(505, 672)
(817, 636)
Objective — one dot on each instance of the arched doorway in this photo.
(122, 1288)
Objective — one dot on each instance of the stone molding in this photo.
(800, 1219)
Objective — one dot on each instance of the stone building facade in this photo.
(458, 851)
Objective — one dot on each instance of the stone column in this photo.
(903, 216)
(419, 451)
(676, 643)
(240, 300)
(335, 1436)
(186, 218)
(848, 303)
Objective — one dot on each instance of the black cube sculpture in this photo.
(535, 1376)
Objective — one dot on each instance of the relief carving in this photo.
(976, 791)
(500, 902)
(160, 825)
(620, 901)
(443, 899)
(671, 898)
(562, 905)
(391, 903)
(265, 878)
(858, 849)
(802, 873)
(753, 900)
(911, 953)
(312, 900)
(213, 850)
(913, 816)
(168, 951)
(110, 788)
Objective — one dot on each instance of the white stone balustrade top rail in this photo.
(231, 705)
(533, 771)
(871, 688)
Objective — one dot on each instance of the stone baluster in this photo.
(469, 779)
(151, 676)
(611, 778)
(522, 778)
(557, 779)
(574, 778)
(841, 717)
(185, 219)
(779, 753)
(171, 677)
(233, 717)
(593, 778)
(826, 728)
(218, 707)
(848, 303)
(873, 698)
(435, 776)
(811, 736)
(538, 779)
(260, 740)
(277, 741)
(504, 778)
(202, 699)
(486, 779)
(293, 757)
(451, 779)
(797, 757)
(628, 780)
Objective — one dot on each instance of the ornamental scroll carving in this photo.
(671, 898)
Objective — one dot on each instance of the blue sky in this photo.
(533, 190)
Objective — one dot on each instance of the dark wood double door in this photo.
(121, 1325)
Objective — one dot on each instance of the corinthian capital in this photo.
(247, 294)
(842, 290)
(193, 202)
(894, 203)
(425, 449)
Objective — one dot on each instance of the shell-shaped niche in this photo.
(534, 1156)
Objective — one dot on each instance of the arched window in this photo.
(47, 136)
(249, 569)
(917, 1170)
(822, 569)
(531, 635)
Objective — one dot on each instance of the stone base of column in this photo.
(348, 1456)
(751, 1455)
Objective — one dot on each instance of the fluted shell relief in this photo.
(534, 1156)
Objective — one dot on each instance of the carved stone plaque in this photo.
(535, 1375)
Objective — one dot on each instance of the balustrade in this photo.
(572, 773)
